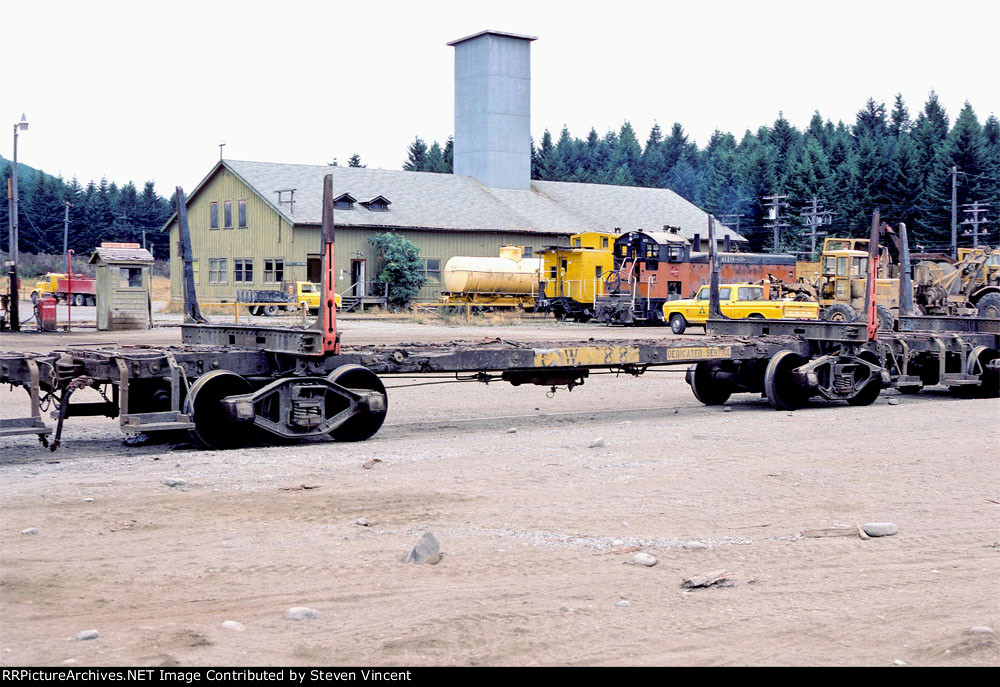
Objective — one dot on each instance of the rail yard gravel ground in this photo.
(537, 529)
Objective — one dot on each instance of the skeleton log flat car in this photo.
(233, 386)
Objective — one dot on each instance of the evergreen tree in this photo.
(964, 148)
(416, 158)
(899, 120)
(545, 161)
(905, 187)
(435, 160)
(355, 161)
(449, 155)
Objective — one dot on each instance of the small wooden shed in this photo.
(124, 286)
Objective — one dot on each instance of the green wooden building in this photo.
(257, 224)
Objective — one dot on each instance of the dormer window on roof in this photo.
(344, 202)
(377, 204)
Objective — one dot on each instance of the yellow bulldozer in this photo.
(969, 286)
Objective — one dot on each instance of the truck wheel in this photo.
(989, 305)
(840, 312)
(79, 300)
(271, 310)
(677, 323)
(884, 319)
(755, 316)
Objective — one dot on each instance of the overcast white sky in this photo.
(147, 90)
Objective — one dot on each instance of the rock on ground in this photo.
(644, 559)
(427, 550)
(30, 530)
(301, 613)
(173, 481)
(87, 634)
(233, 625)
(880, 529)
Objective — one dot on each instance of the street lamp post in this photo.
(15, 296)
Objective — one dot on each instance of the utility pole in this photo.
(15, 293)
(774, 218)
(66, 227)
(954, 211)
(973, 210)
(733, 222)
(814, 217)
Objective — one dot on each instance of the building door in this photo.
(358, 278)
(314, 268)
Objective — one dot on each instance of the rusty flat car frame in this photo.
(232, 386)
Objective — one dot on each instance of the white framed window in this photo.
(217, 271)
(274, 270)
(243, 270)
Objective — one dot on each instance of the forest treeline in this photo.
(100, 211)
(886, 159)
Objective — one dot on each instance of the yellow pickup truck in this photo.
(738, 301)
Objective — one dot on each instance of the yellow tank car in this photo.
(573, 276)
(738, 301)
(505, 281)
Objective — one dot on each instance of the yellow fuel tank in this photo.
(509, 273)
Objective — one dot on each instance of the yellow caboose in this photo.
(572, 277)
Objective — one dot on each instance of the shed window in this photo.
(604, 242)
(274, 270)
(213, 215)
(228, 214)
(243, 270)
(131, 277)
(526, 251)
(197, 272)
(217, 270)
(242, 211)
(432, 269)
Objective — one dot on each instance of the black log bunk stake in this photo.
(230, 386)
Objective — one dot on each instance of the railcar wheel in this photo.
(872, 389)
(79, 299)
(706, 388)
(989, 375)
(365, 424)
(677, 323)
(781, 388)
(215, 428)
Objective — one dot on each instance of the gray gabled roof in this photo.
(424, 200)
(139, 255)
